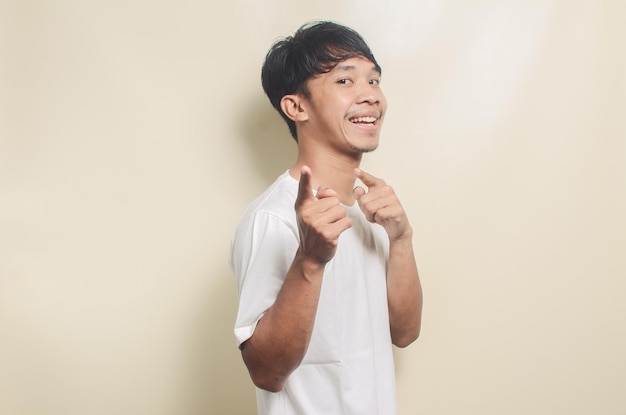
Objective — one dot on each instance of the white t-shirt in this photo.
(348, 367)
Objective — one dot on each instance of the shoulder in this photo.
(267, 232)
(276, 203)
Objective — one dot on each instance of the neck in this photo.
(329, 170)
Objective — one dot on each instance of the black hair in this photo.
(315, 48)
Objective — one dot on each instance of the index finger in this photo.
(304, 187)
(368, 179)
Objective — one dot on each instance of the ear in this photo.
(293, 108)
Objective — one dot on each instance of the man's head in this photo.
(316, 48)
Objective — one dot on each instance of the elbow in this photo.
(404, 339)
(267, 382)
(262, 374)
(403, 342)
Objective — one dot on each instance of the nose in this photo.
(370, 94)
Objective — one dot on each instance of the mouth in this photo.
(365, 120)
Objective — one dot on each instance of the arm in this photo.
(282, 335)
(404, 292)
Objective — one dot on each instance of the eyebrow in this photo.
(348, 67)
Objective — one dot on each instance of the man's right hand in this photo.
(321, 219)
(282, 335)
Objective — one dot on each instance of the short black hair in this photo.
(315, 48)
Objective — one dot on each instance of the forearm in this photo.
(404, 293)
(282, 335)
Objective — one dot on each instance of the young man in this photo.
(326, 272)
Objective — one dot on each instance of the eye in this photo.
(375, 81)
(344, 81)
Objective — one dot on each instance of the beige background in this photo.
(133, 133)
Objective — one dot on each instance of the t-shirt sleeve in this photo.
(262, 251)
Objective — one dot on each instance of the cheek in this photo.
(383, 100)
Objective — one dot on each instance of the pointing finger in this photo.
(304, 187)
(368, 179)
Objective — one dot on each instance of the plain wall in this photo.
(133, 134)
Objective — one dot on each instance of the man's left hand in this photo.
(381, 205)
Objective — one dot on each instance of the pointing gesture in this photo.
(381, 205)
(321, 219)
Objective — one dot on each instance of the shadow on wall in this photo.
(219, 379)
(271, 148)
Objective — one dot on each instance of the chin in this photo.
(363, 143)
(365, 149)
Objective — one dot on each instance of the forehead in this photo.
(354, 65)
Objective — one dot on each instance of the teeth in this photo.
(363, 119)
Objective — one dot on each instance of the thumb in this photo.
(358, 192)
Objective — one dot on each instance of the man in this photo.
(326, 272)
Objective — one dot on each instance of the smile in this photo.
(364, 120)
